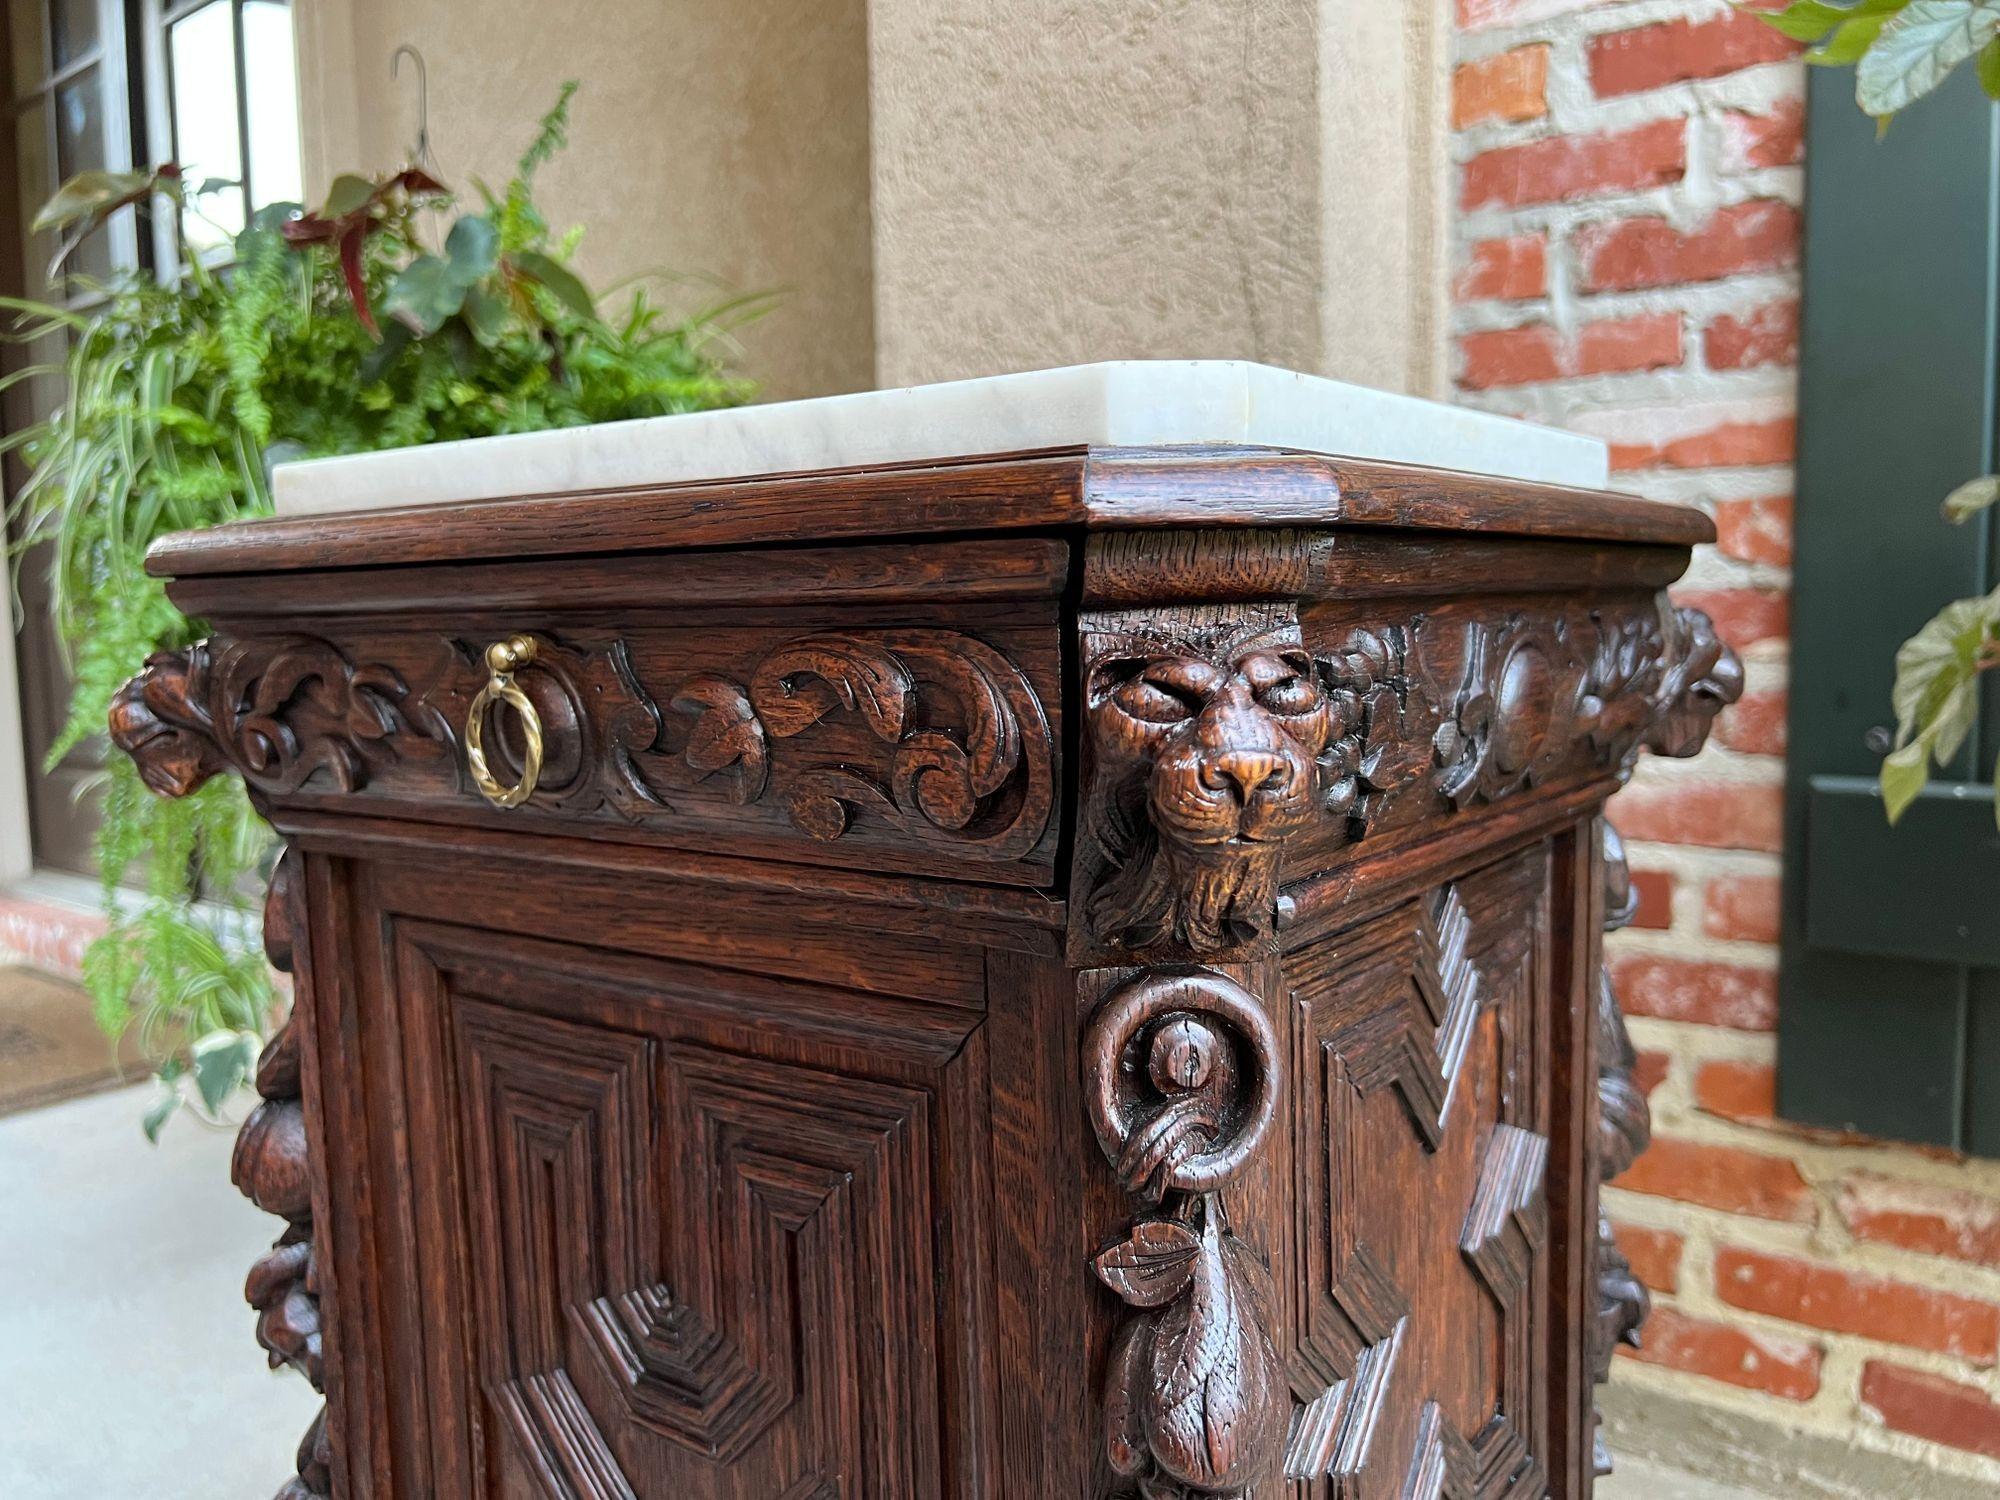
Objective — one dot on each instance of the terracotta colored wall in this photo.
(723, 140)
(1628, 192)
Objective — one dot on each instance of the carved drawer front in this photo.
(700, 1234)
(875, 709)
(1423, 1151)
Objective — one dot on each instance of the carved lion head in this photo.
(1703, 677)
(1210, 754)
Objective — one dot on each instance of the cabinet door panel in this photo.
(1424, 1133)
(678, 1230)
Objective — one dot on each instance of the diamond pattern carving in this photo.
(1422, 1156)
(647, 1195)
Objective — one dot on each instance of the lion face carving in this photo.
(1209, 756)
(1703, 678)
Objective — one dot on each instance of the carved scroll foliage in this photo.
(1218, 737)
(277, 711)
(969, 757)
(1181, 1077)
(270, 1167)
(1692, 679)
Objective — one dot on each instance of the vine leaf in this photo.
(1917, 49)
(801, 684)
(1975, 495)
(1153, 1267)
(1936, 696)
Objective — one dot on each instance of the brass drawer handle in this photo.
(503, 659)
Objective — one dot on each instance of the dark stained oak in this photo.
(1052, 977)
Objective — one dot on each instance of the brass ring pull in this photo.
(503, 659)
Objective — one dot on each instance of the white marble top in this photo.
(1128, 403)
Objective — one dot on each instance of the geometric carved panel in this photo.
(701, 1272)
(1422, 1153)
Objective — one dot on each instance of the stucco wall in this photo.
(729, 140)
(1057, 181)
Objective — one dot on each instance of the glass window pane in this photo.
(28, 38)
(201, 51)
(35, 180)
(79, 125)
(80, 148)
(271, 76)
(74, 23)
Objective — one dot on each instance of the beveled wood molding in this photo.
(1103, 489)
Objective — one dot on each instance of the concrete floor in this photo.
(127, 1365)
(1637, 1480)
(127, 1361)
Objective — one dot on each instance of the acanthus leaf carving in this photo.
(727, 735)
(1181, 1074)
(1679, 689)
(277, 711)
(970, 760)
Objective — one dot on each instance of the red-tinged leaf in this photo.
(357, 281)
(416, 182)
(309, 229)
(1153, 1267)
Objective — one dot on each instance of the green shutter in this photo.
(1889, 1016)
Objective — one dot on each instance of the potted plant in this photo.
(394, 313)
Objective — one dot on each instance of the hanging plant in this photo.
(334, 330)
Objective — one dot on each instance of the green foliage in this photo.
(180, 393)
(1901, 50)
(1936, 695)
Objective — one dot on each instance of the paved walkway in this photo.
(127, 1360)
(1636, 1480)
(127, 1365)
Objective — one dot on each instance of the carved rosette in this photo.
(1680, 681)
(1181, 1076)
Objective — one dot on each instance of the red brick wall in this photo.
(1628, 188)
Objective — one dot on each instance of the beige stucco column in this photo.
(1064, 180)
(726, 140)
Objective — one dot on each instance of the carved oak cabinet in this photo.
(1065, 966)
